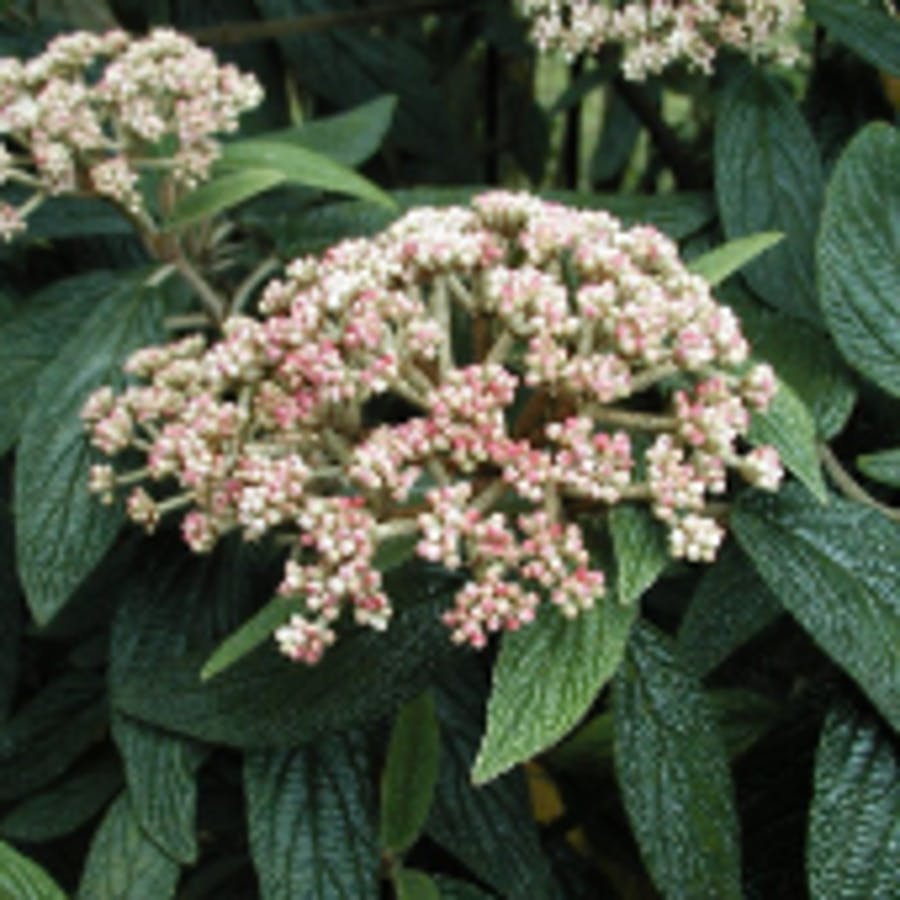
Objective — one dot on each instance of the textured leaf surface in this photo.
(311, 821)
(854, 831)
(639, 543)
(858, 255)
(222, 193)
(22, 879)
(160, 770)
(62, 530)
(123, 863)
(672, 770)
(769, 178)
(864, 26)
(454, 889)
(527, 713)
(410, 773)
(883, 467)
(412, 884)
(717, 265)
(836, 569)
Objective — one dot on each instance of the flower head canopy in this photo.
(544, 363)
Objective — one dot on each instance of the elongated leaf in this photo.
(123, 863)
(304, 167)
(883, 467)
(854, 828)
(575, 659)
(410, 774)
(63, 531)
(789, 427)
(22, 879)
(864, 26)
(454, 889)
(639, 543)
(836, 569)
(30, 340)
(222, 193)
(769, 178)
(673, 773)
(716, 265)
(11, 605)
(311, 821)
(161, 769)
(412, 884)
(859, 255)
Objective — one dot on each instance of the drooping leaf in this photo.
(123, 863)
(672, 769)
(22, 879)
(411, 884)
(312, 820)
(574, 658)
(788, 426)
(640, 547)
(854, 826)
(160, 770)
(883, 466)
(410, 774)
(836, 570)
(858, 255)
(62, 531)
(865, 27)
(223, 193)
(717, 265)
(769, 178)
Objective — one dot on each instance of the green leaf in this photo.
(22, 879)
(836, 570)
(411, 884)
(865, 27)
(672, 769)
(454, 889)
(730, 607)
(223, 193)
(717, 265)
(311, 820)
(32, 337)
(410, 774)
(883, 466)
(641, 551)
(123, 863)
(300, 166)
(161, 770)
(11, 605)
(769, 178)
(574, 658)
(789, 427)
(859, 255)
(854, 826)
(65, 806)
(63, 531)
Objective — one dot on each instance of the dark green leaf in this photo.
(454, 889)
(63, 531)
(883, 466)
(854, 828)
(859, 255)
(730, 606)
(788, 426)
(865, 27)
(414, 885)
(672, 770)
(836, 570)
(410, 773)
(769, 178)
(717, 265)
(223, 193)
(11, 605)
(123, 863)
(161, 769)
(311, 820)
(574, 658)
(22, 879)
(618, 139)
(75, 217)
(31, 339)
(641, 551)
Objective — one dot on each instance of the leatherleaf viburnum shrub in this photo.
(544, 364)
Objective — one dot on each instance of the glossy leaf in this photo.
(859, 255)
(836, 569)
(223, 193)
(639, 542)
(865, 26)
(22, 879)
(575, 658)
(717, 265)
(883, 466)
(410, 774)
(311, 820)
(672, 770)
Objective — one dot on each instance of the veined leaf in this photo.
(716, 265)
(222, 193)
(22, 879)
(865, 27)
(883, 466)
(412, 884)
(639, 542)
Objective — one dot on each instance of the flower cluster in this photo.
(544, 363)
(654, 34)
(93, 111)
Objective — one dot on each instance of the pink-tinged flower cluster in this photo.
(94, 111)
(654, 34)
(544, 364)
